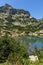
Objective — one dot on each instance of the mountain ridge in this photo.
(8, 7)
(18, 21)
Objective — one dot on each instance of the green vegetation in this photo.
(13, 52)
(15, 22)
(19, 21)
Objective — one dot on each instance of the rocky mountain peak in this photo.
(13, 11)
(7, 6)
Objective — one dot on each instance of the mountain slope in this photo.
(17, 21)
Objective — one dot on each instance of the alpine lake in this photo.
(31, 41)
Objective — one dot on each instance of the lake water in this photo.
(32, 41)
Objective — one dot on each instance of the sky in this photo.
(35, 7)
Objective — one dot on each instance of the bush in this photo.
(5, 48)
(12, 50)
